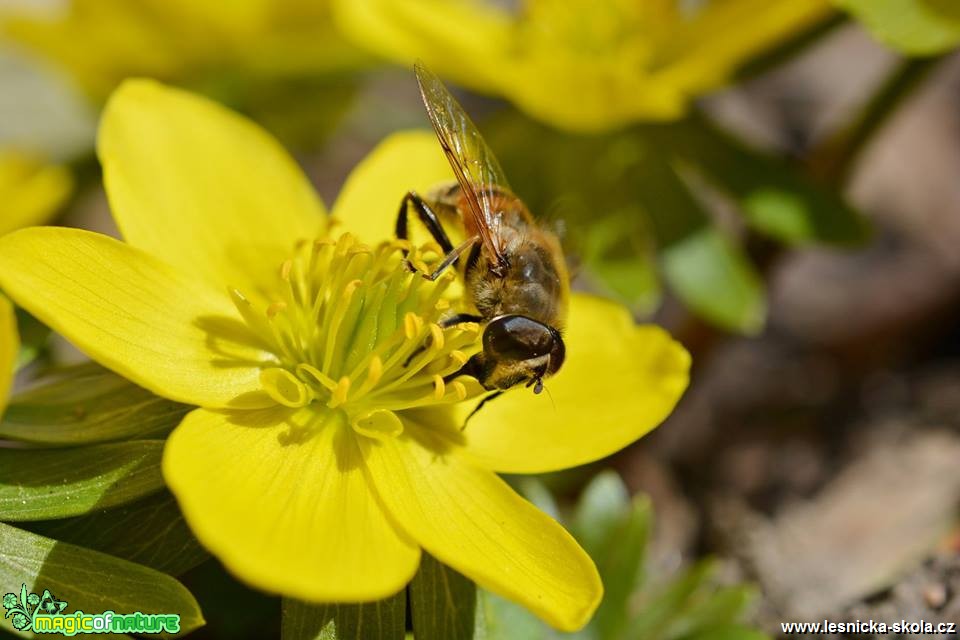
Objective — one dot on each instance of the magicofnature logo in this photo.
(45, 614)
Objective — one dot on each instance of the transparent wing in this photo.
(477, 170)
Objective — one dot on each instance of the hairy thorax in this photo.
(534, 282)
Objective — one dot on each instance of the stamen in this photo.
(284, 387)
(379, 424)
(459, 390)
(412, 324)
(309, 372)
(374, 373)
(339, 395)
(436, 333)
(352, 330)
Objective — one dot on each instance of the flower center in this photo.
(352, 329)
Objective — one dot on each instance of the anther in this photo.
(285, 388)
(436, 336)
(310, 372)
(459, 390)
(412, 324)
(339, 395)
(375, 370)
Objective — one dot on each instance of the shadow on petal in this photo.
(225, 335)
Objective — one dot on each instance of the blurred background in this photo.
(776, 182)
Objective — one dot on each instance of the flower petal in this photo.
(433, 31)
(281, 498)
(704, 50)
(133, 314)
(202, 187)
(472, 521)
(31, 191)
(9, 347)
(370, 198)
(618, 382)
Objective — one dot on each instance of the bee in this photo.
(513, 270)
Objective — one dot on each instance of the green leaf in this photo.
(33, 338)
(715, 610)
(774, 198)
(704, 269)
(302, 110)
(150, 531)
(533, 489)
(381, 620)
(40, 484)
(715, 279)
(729, 632)
(592, 204)
(660, 609)
(88, 404)
(622, 265)
(913, 27)
(603, 505)
(621, 563)
(505, 620)
(90, 581)
(443, 603)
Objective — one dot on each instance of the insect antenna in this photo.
(550, 395)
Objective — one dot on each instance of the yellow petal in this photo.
(134, 314)
(433, 31)
(703, 52)
(472, 521)
(583, 66)
(281, 499)
(97, 42)
(30, 191)
(618, 382)
(370, 198)
(9, 348)
(201, 187)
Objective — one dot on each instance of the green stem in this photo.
(835, 158)
(789, 49)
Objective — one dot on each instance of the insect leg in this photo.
(495, 394)
(450, 258)
(460, 318)
(427, 216)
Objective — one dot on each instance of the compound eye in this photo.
(517, 338)
(558, 353)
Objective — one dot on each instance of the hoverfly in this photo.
(513, 270)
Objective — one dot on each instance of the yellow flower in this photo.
(30, 191)
(327, 450)
(580, 65)
(9, 346)
(101, 42)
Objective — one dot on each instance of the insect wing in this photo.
(474, 164)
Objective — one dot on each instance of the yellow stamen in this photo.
(285, 388)
(352, 331)
(379, 424)
(339, 395)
